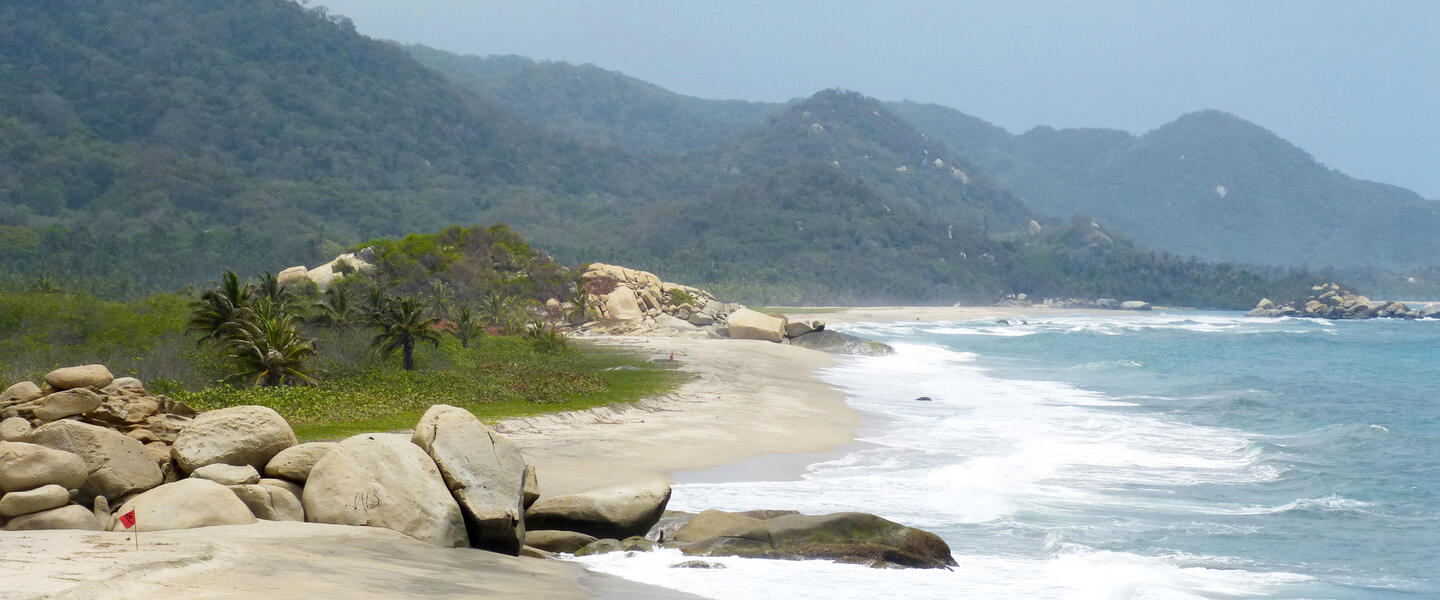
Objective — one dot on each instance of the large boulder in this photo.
(845, 537)
(747, 324)
(622, 304)
(72, 516)
(85, 376)
(617, 512)
(551, 540)
(269, 503)
(45, 497)
(485, 472)
(239, 435)
(185, 504)
(117, 463)
(294, 463)
(835, 342)
(25, 466)
(19, 393)
(384, 480)
(72, 402)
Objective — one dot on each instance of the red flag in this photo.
(128, 519)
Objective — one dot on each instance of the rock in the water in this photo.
(71, 516)
(239, 435)
(845, 537)
(45, 497)
(59, 405)
(269, 503)
(117, 464)
(384, 480)
(697, 564)
(531, 489)
(227, 474)
(1430, 311)
(294, 463)
(19, 393)
(14, 429)
(747, 324)
(835, 342)
(1134, 305)
(483, 469)
(185, 504)
(636, 543)
(25, 466)
(85, 376)
(551, 540)
(799, 328)
(604, 546)
(617, 512)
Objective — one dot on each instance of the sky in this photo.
(1355, 84)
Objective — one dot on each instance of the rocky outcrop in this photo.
(1331, 301)
(384, 480)
(240, 435)
(845, 537)
(841, 343)
(116, 464)
(184, 504)
(484, 471)
(330, 272)
(616, 292)
(617, 512)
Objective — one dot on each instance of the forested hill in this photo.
(1208, 184)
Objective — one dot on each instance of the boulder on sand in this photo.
(845, 537)
(617, 512)
(483, 469)
(85, 376)
(71, 516)
(117, 463)
(185, 504)
(239, 435)
(25, 466)
(384, 480)
(294, 463)
(747, 324)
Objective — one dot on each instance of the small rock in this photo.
(72, 516)
(923, 399)
(86, 376)
(294, 463)
(15, 429)
(604, 546)
(66, 403)
(19, 393)
(39, 499)
(697, 564)
(636, 543)
(268, 503)
(551, 540)
(227, 474)
(531, 489)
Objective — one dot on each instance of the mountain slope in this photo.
(1208, 184)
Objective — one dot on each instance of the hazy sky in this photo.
(1356, 84)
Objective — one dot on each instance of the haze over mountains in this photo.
(148, 147)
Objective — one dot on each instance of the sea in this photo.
(1163, 455)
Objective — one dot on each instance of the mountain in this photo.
(1208, 184)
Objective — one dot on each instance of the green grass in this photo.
(496, 378)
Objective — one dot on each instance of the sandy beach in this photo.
(880, 314)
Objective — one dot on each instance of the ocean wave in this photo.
(1332, 504)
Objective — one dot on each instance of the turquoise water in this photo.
(1184, 455)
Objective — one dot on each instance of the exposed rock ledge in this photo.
(1330, 301)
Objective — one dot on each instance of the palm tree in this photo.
(402, 323)
(442, 297)
(498, 310)
(216, 311)
(270, 350)
(335, 309)
(466, 327)
(375, 304)
(581, 305)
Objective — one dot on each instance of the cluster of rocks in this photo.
(629, 301)
(1069, 303)
(1330, 301)
(323, 275)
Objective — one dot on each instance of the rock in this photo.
(845, 537)
(747, 324)
(122, 410)
(617, 512)
(568, 542)
(924, 399)
(1265, 304)
(71, 516)
(1134, 305)
(675, 323)
(124, 385)
(101, 511)
(166, 427)
(697, 564)
(291, 275)
(799, 328)
(714, 523)
(384, 480)
(269, 503)
(86, 376)
(45, 497)
(19, 393)
(604, 546)
(294, 463)
(25, 466)
(622, 304)
(185, 504)
(117, 464)
(485, 472)
(835, 342)
(1430, 311)
(239, 435)
(66, 403)
(636, 543)
(158, 452)
(295, 489)
(531, 489)
(227, 474)
(14, 429)
(701, 319)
